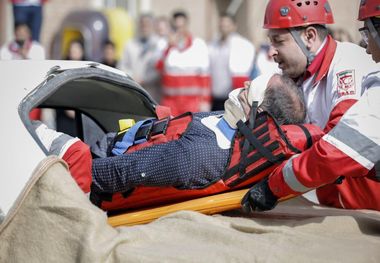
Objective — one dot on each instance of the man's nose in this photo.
(272, 51)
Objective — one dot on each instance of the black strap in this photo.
(97, 196)
(296, 36)
(283, 136)
(255, 171)
(262, 151)
(252, 115)
(251, 159)
(261, 131)
(246, 145)
(260, 120)
(144, 132)
(255, 142)
(128, 192)
(188, 113)
(309, 139)
(152, 129)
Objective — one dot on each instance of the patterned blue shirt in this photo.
(193, 161)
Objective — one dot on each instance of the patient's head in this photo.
(284, 100)
(277, 95)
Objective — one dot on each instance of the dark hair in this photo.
(80, 42)
(177, 14)
(147, 16)
(21, 24)
(285, 102)
(77, 41)
(228, 15)
(322, 30)
(108, 42)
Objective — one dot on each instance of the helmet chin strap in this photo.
(372, 30)
(309, 55)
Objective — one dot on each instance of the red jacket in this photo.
(350, 149)
(185, 77)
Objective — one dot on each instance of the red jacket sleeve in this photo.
(316, 166)
(79, 159)
(338, 111)
(313, 168)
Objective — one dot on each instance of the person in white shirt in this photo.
(231, 59)
(29, 12)
(140, 56)
(22, 47)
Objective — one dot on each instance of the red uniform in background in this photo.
(185, 77)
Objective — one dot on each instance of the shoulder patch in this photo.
(346, 83)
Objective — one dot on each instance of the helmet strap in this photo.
(296, 36)
(372, 30)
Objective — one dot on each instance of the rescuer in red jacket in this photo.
(350, 150)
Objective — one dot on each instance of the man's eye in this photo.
(275, 42)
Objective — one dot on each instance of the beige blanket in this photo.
(54, 222)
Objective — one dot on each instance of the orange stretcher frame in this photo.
(206, 205)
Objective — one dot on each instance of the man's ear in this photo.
(311, 37)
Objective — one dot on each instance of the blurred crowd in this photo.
(175, 67)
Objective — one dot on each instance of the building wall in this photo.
(199, 12)
(345, 13)
(54, 13)
(250, 16)
(203, 16)
(6, 21)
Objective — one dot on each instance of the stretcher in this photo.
(100, 96)
(206, 205)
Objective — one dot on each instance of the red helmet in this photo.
(294, 13)
(369, 8)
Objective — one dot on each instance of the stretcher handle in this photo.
(206, 205)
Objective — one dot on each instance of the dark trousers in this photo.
(30, 15)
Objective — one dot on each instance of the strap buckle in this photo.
(159, 127)
(151, 129)
(143, 132)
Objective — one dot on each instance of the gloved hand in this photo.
(240, 100)
(259, 198)
(257, 87)
(233, 109)
(56, 143)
